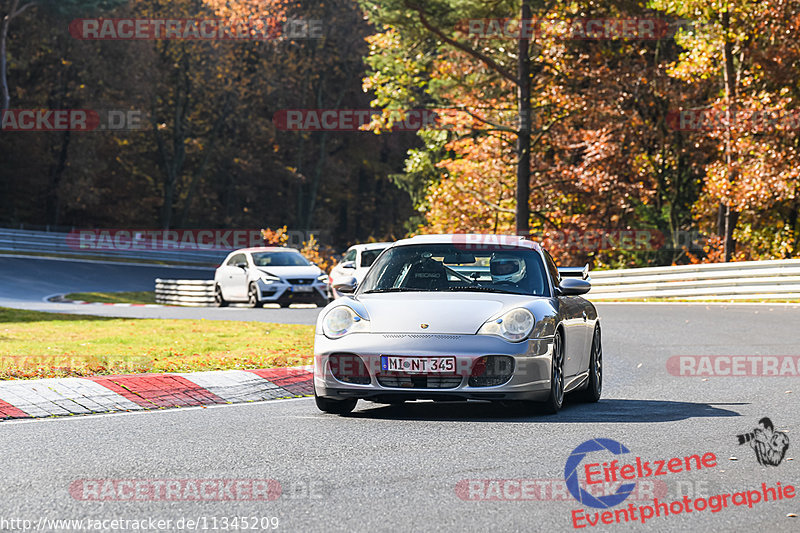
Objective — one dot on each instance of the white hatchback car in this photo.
(356, 262)
(269, 275)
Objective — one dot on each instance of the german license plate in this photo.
(418, 365)
(302, 288)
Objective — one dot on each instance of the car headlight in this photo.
(267, 278)
(342, 320)
(323, 278)
(515, 325)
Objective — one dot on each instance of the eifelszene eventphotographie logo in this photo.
(627, 471)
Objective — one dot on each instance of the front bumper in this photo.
(282, 291)
(530, 379)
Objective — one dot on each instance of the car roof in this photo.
(370, 245)
(266, 249)
(476, 240)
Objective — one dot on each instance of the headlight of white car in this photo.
(342, 320)
(515, 325)
(323, 278)
(267, 278)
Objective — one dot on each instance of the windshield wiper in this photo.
(480, 288)
(459, 274)
(394, 289)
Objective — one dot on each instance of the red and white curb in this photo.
(135, 392)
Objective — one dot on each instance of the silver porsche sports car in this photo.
(460, 317)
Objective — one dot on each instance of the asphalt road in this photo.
(27, 282)
(397, 468)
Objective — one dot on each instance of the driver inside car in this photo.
(506, 269)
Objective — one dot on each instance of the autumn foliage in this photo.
(608, 153)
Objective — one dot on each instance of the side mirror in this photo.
(574, 287)
(242, 265)
(349, 264)
(346, 285)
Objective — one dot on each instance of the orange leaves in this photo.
(276, 237)
(323, 256)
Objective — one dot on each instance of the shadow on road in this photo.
(635, 411)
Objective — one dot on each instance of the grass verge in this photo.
(44, 345)
(143, 297)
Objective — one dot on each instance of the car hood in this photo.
(292, 271)
(448, 313)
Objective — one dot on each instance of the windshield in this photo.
(449, 268)
(279, 259)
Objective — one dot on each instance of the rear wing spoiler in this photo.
(575, 272)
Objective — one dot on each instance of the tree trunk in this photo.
(315, 179)
(791, 221)
(5, 22)
(173, 163)
(730, 216)
(53, 200)
(524, 131)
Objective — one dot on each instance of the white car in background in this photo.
(356, 262)
(269, 275)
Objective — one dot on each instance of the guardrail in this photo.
(12, 240)
(186, 292)
(757, 280)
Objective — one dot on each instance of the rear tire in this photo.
(595, 387)
(336, 407)
(556, 397)
(219, 301)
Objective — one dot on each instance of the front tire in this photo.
(219, 301)
(595, 387)
(252, 296)
(555, 398)
(336, 407)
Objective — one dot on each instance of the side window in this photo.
(369, 256)
(552, 269)
(238, 258)
(350, 255)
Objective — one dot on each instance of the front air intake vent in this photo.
(491, 371)
(349, 368)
